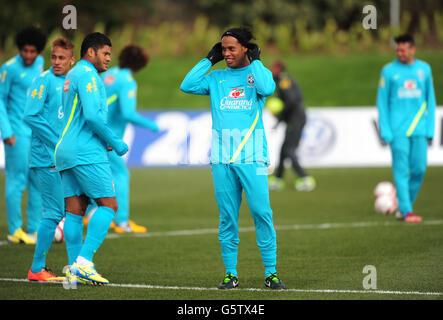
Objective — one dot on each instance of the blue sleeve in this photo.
(128, 104)
(90, 99)
(195, 81)
(383, 107)
(41, 62)
(5, 86)
(264, 82)
(34, 109)
(430, 98)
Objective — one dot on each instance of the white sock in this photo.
(82, 262)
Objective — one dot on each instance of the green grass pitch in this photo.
(325, 239)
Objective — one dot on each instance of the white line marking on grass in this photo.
(147, 286)
(321, 226)
(283, 227)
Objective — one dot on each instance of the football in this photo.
(58, 236)
(384, 188)
(386, 204)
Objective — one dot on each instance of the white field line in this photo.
(324, 226)
(283, 227)
(147, 286)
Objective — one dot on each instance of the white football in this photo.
(384, 188)
(386, 204)
(58, 236)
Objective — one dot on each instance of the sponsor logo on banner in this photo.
(318, 137)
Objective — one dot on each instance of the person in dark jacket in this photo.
(294, 115)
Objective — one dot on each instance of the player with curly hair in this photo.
(16, 76)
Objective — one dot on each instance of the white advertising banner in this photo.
(348, 137)
(332, 137)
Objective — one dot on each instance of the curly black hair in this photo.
(133, 57)
(31, 36)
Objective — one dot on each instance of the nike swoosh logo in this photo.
(221, 81)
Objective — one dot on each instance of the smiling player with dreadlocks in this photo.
(239, 153)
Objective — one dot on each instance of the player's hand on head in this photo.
(253, 51)
(215, 55)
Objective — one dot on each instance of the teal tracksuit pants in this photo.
(18, 178)
(409, 156)
(229, 182)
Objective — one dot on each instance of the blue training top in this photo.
(86, 135)
(406, 100)
(121, 90)
(44, 114)
(15, 80)
(237, 99)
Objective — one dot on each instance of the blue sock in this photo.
(232, 271)
(45, 237)
(229, 256)
(73, 233)
(97, 230)
(269, 261)
(269, 270)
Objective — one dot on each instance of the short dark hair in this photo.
(242, 34)
(31, 36)
(405, 38)
(133, 57)
(63, 43)
(95, 40)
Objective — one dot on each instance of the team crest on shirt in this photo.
(421, 74)
(66, 85)
(237, 93)
(109, 79)
(251, 80)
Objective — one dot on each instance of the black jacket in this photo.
(289, 92)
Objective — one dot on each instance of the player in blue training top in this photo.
(239, 154)
(406, 106)
(43, 114)
(16, 77)
(81, 154)
(121, 90)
